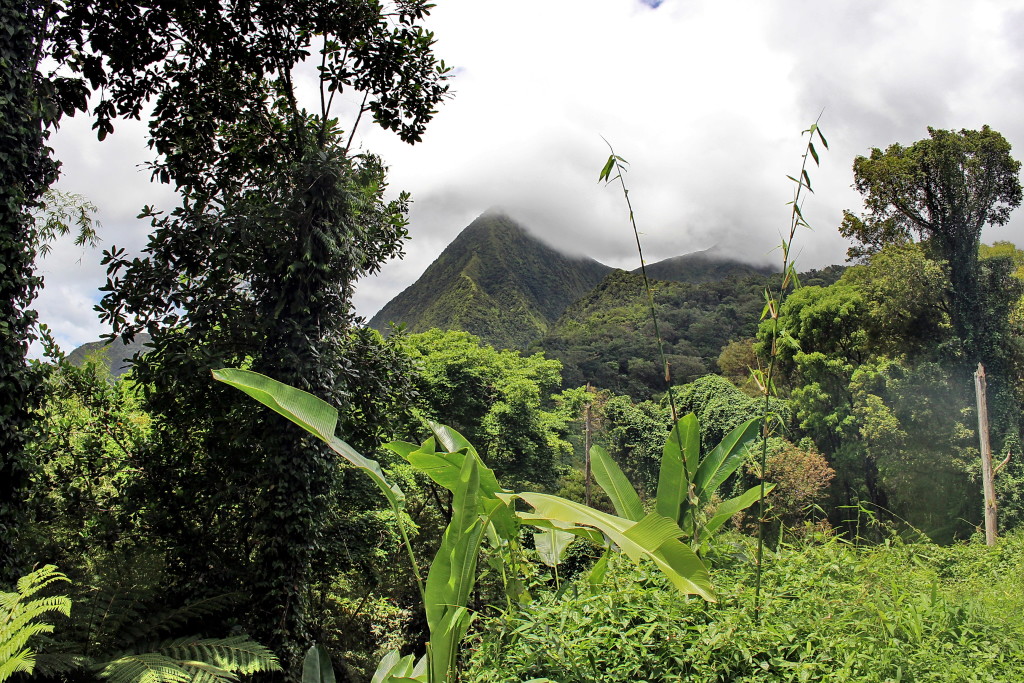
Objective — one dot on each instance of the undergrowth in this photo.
(830, 612)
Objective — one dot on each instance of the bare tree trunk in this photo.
(987, 476)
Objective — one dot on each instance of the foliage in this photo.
(297, 229)
(866, 364)
(26, 171)
(736, 361)
(58, 211)
(720, 407)
(687, 482)
(634, 436)
(479, 508)
(496, 282)
(832, 612)
(499, 399)
(187, 659)
(944, 190)
(802, 477)
(19, 619)
(87, 440)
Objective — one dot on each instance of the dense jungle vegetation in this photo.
(277, 491)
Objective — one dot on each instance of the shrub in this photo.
(832, 612)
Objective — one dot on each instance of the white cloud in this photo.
(705, 99)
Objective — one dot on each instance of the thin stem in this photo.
(351, 135)
(767, 380)
(647, 286)
(412, 556)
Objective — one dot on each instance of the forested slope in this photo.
(496, 281)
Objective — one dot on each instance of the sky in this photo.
(705, 99)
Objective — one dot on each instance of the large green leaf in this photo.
(317, 667)
(450, 439)
(444, 469)
(312, 414)
(551, 544)
(396, 669)
(724, 459)
(678, 466)
(453, 572)
(610, 478)
(724, 512)
(654, 537)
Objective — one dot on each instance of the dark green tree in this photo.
(942, 190)
(205, 64)
(500, 400)
(26, 170)
(865, 363)
(257, 268)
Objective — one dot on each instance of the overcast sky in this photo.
(706, 100)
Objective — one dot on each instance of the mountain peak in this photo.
(494, 280)
(708, 265)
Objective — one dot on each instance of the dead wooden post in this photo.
(987, 476)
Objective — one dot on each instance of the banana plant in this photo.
(686, 482)
(481, 509)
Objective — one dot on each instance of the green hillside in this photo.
(710, 265)
(495, 281)
(607, 337)
(116, 356)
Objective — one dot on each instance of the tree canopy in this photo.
(942, 190)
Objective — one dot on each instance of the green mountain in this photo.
(710, 265)
(496, 281)
(115, 356)
(607, 337)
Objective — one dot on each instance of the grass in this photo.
(830, 612)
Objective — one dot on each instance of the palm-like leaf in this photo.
(453, 573)
(610, 477)
(679, 461)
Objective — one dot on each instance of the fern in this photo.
(192, 660)
(18, 619)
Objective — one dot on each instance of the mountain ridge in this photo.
(496, 281)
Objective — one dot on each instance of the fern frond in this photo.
(32, 583)
(192, 660)
(22, 661)
(18, 617)
(51, 664)
(168, 622)
(237, 654)
(149, 667)
(18, 638)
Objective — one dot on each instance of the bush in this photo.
(831, 612)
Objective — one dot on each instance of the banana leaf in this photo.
(654, 537)
(610, 478)
(317, 417)
(679, 461)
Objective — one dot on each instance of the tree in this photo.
(257, 268)
(943, 190)
(206, 64)
(26, 170)
(226, 126)
(865, 361)
(500, 400)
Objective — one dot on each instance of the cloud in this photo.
(705, 99)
